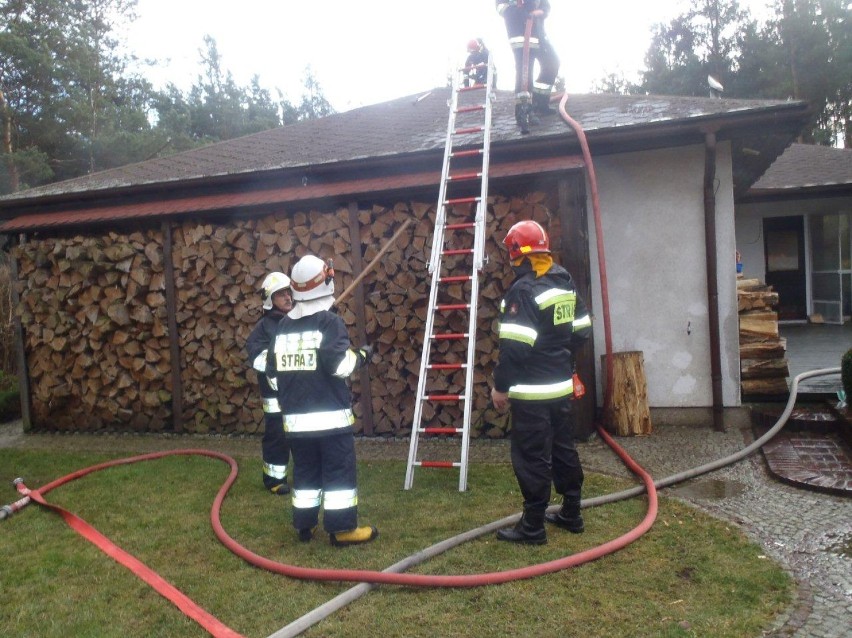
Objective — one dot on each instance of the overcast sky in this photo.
(370, 51)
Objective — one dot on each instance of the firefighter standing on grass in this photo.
(310, 360)
(534, 98)
(277, 302)
(542, 320)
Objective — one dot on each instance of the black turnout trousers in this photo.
(543, 451)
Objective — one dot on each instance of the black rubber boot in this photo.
(541, 104)
(529, 530)
(568, 517)
(523, 116)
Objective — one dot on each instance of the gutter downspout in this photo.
(712, 276)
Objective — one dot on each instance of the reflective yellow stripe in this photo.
(318, 421)
(517, 332)
(306, 499)
(518, 42)
(347, 366)
(271, 406)
(259, 362)
(554, 296)
(542, 391)
(340, 499)
(583, 322)
(275, 471)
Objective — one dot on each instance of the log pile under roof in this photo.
(97, 311)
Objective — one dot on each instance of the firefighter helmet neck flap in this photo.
(312, 283)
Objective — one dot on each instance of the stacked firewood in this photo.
(93, 312)
(95, 316)
(763, 366)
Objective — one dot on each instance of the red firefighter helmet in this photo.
(474, 45)
(526, 238)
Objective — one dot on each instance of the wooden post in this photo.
(629, 413)
(21, 349)
(174, 337)
(360, 316)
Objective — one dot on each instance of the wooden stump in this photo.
(629, 413)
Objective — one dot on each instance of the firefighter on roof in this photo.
(277, 302)
(535, 98)
(477, 62)
(310, 362)
(542, 320)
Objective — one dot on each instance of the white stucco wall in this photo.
(652, 212)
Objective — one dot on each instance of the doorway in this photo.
(831, 270)
(784, 248)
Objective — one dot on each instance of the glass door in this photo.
(831, 243)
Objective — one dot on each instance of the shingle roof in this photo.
(807, 166)
(407, 125)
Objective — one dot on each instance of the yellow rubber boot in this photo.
(354, 536)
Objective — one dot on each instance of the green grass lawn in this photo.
(691, 575)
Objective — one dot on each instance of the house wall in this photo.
(749, 225)
(652, 210)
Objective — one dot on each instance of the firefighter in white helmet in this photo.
(310, 361)
(277, 302)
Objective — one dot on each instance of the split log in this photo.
(759, 323)
(629, 413)
(768, 387)
(764, 368)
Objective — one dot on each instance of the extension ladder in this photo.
(464, 170)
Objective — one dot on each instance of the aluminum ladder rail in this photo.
(475, 139)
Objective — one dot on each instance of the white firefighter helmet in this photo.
(312, 282)
(274, 282)
(311, 278)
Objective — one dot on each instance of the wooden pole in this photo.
(373, 263)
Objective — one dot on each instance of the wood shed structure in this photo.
(136, 287)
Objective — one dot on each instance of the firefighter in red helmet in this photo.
(542, 321)
(310, 360)
(477, 62)
(534, 98)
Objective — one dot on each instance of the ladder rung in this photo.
(443, 397)
(470, 109)
(468, 130)
(444, 464)
(453, 306)
(444, 336)
(442, 430)
(455, 279)
(446, 366)
(460, 226)
(461, 200)
(458, 251)
(468, 153)
(463, 176)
